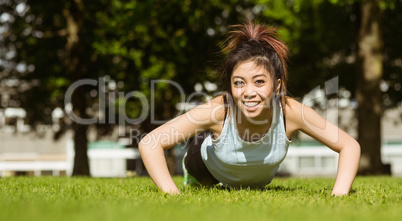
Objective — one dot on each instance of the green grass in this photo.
(63, 198)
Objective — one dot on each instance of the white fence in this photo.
(300, 161)
(110, 162)
(309, 161)
(321, 161)
(31, 162)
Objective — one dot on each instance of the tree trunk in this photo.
(81, 164)
(368, 92)
(76, 70)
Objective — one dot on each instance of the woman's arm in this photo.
(303, 118)
(181, 128)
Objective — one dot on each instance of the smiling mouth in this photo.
(251, 104)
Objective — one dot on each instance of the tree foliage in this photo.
(130, 43)
(125, 42)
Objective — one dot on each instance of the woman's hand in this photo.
(305, 119)
(155, 163)
(208, 116)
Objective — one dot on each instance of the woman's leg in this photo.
(194, 163)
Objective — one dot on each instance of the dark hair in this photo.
(258, 43)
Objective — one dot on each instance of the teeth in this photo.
(251, 104)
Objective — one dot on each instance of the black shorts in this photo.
(194, 163)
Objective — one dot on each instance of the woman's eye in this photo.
(259, 82)
(238, 83)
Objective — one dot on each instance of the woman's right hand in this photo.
(208, 116)
(155, 163)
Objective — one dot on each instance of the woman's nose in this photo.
(249, 92)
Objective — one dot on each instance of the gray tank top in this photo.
(235, 162)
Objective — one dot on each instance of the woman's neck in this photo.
(254, 129)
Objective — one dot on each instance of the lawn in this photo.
(63, 198)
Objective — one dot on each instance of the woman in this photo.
(246, 132)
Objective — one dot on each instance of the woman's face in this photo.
(252, 90)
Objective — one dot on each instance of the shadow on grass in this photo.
(267, 188)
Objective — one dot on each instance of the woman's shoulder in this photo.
(216, 102)
(218, 108)
(298, 115)
(293, 110)
(212, 111)
(292, 105)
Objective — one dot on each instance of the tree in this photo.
(130, 42)
(174, 41)
(77, 67)
(133, 43)
(368, 94)
(323, 47)
(55, 40)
